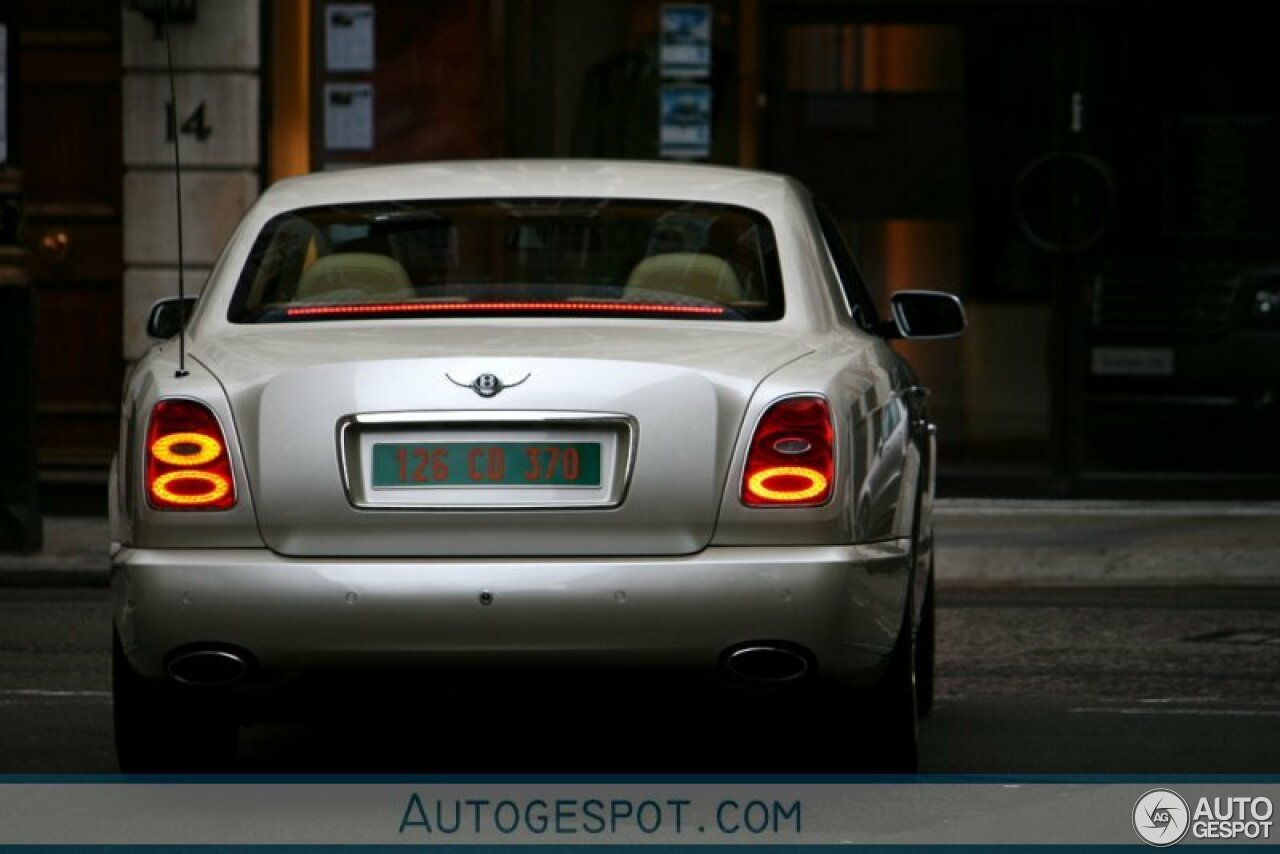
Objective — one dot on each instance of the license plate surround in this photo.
(615, 434)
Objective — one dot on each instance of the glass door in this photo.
(911, 130)
(1100, 186)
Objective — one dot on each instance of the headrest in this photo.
(354, 277)
(689, 273)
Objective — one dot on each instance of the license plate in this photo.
(481, 464)
(1132, 361)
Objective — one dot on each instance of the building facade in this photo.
(1096, 180)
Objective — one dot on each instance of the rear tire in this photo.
(926, 646)
(905, 690)
(892, 728)
(160, 728)
(869, 729)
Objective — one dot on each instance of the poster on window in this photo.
(686, 40)
(348, 116)
(685, 126)
(348, 37)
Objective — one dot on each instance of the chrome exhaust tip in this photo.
(766, 663)
(207, 668)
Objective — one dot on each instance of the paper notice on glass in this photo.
(348, 116)
(685, 128)
(686, 40)
(348, 35)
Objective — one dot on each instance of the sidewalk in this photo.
(979, 542)
(75, 554)
(1107, 543)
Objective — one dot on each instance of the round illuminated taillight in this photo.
(187, 465)
(791, 461)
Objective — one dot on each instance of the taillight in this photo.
(188, 467)
(791, 462)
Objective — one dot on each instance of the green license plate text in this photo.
(427, 464)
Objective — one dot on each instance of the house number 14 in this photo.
(193, 125)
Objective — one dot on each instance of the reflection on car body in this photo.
(532, 417)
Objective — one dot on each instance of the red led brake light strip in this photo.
(479, 307)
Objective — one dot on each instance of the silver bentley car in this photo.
(515, 418)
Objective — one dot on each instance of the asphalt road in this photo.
(1062, 681)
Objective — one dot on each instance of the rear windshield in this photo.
(512, 257)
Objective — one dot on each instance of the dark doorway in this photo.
(1178, 301)
(69, 83)
(1094, 181)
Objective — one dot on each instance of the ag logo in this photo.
(487, 385)
(1160, 817)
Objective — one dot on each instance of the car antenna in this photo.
(177, 184)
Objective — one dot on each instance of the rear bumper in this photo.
(842, 604)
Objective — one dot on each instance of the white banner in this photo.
(141, 811)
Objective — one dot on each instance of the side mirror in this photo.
(925, 314)
(168, 316)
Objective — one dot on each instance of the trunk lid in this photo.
(589, 439)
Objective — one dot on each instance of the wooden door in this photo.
(69, 121)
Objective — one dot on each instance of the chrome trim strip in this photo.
(196, 655)
(877, 648)
(735, 658)
(628, 429)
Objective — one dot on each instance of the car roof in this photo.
(532, 179)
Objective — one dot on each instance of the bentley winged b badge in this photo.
(487, 385)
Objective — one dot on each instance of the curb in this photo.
(76, 554)
(45, 578)
(1108, 543)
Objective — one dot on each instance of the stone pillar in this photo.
(217, 61)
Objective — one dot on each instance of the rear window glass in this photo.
(512, 257)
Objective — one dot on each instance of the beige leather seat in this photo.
(354, 277)
(689, 273)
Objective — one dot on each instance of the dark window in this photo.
(860, 303)
(475, 257)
